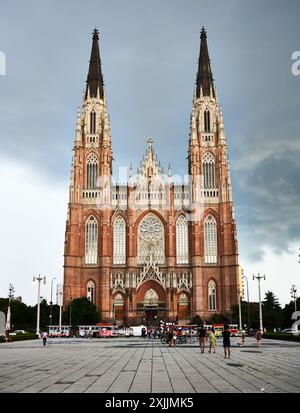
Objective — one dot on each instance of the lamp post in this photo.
(258, 278)
(60, 294)
(38, 279)
(70, 319)
(294, 295)
(240, 310)
(11, 291)
(244, 276)
(51, 303)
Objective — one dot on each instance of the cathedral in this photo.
(153, 248)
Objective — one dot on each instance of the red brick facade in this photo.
(170, 290)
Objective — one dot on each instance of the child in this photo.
(212, 340)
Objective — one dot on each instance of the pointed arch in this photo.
(93, 122)
(210, 240)
(119, 240)
(91, 291)
(182, 240)
(91, 172)
(91, 240)
(206, 121)
(208, 168)
(212, 295)
(151, 240)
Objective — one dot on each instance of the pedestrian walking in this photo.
(44, 337)
(170, 337)
(174, 338)
(212, 340)
(258, 337)
(202, 338)
(226, 342)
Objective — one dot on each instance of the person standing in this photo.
(174, 338)
(212, 340)
(170, 337)
(44, 337)
(226, 342)
(202, 337)
(258, 337)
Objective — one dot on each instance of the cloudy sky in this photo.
(149, 53)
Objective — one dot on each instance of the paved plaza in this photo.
(135, 365)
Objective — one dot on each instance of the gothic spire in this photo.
(95, 78)
(204, 81)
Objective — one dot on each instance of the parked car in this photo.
(290, 331)
(14, 333)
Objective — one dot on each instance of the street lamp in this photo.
(50, 323)
(244, 276)
(38, 279)
(260, 277)
(70, 320)
(60, 294)
(294, 295)
(11, 291)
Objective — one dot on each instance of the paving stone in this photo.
(146, 366)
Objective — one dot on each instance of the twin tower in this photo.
(151, 249)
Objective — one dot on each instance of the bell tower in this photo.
(85, 251)
(214, 243)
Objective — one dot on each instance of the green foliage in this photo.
(197, 320)
(82, 312)
(281, 336)
(25, 336)
(217, 319)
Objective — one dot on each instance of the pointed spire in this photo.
(205, 84)
(94, 83)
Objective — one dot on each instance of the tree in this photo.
(218, 319)
(197, 320)
(271, 301)
(272, 312)
(83, 312)
(288, 311)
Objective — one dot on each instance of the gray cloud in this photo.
(149, 52)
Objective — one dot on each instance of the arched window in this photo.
(208, 164)
(118, 306)
(210, 240)
(182, 241)
(183, 307)
(92, 172)
(212, 295)
(93, 122)
(91, 292)
(119, 240)
(151, 245)
(91, 241)
(206, 121)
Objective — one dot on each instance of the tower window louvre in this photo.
(93, 122)
(91, 292)
(182, 241)
(208, 171)
(92, 172)
(91, 241)
(212, 296)
(206, 121)
(119, 241)
(210, 240)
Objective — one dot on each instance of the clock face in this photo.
(151, 229)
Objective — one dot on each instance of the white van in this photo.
(137, 330)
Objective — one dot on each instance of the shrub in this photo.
(197, 320)
(25, 336)
(281, 336)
